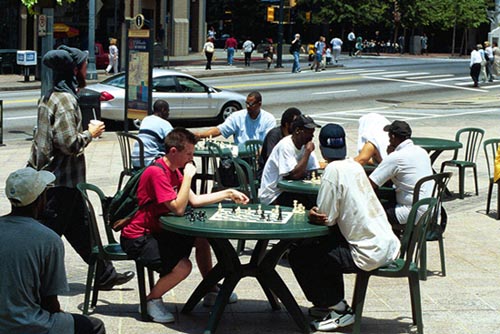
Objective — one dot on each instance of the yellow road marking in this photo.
(20, 101)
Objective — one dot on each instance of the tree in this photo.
(30, 4)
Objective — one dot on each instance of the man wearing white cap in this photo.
(33, 262)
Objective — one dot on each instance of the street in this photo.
(403, 88)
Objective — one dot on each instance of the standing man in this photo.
(295, 49)
(230, 46)
(33, 263)
(248, 47)
(59, 146)
(360, 237)
(401, 42)
(475, 64)
(247, 124)
(404, 166)
(351, 41)
(290, 159)
(153, 130)
(378, 41)
(275, 135)
(489, 57)
(319, 49)
(424, 43)
(336, 48)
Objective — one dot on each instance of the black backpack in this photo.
(124, 204)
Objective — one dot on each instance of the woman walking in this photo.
(113, 56)
(209, 50)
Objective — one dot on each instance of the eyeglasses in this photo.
(251, 104)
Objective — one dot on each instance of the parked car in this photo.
(101, 57)
(189, 98)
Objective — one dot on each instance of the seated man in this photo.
(407, 164)
(163, 189)
(372, 139)
(290, 159)
(153, 130)
(275, 135)
(33, 264)
(247, 124)
(360, 238)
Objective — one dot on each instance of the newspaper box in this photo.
(26, 58)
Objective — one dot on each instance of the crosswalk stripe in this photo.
(403, 74)
(490, 87)
(431, 76)
(451, 79)
(335, 92)
(385, 73)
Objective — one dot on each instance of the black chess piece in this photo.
(262, 215)
(268, 217)
(233, 210)
(280, 214)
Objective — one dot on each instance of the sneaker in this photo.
(334, 320)
(209, 299)
(158, 312)
(118, 279)
(320, 312)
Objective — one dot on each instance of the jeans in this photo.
(230, 56)
(296, 64)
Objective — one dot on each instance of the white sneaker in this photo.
(158, 312)
(209, 299)
(334, 320)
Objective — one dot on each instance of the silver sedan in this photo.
(189, 98)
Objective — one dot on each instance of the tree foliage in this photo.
(31, 4)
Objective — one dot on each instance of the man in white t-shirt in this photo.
(153, 131)
(247, 124)
(404, 166)
(361, 238)
(290, 159)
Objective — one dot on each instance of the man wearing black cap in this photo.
(59, 146)
(361, 238)
(404, 166)
(290, 159)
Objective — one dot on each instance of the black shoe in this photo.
(119, 279)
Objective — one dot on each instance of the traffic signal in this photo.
(270, 13)
(308, 16)
(293, 3)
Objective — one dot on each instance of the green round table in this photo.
(436, 146)
(299, 186)
(262, 262)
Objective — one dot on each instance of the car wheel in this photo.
(228, 109)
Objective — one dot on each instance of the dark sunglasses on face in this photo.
(251, 104)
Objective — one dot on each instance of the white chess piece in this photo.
(219, 208)
(295, 203)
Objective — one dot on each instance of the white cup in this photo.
(96, 122)
(234, 151)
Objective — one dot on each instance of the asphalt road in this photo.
(399, 88)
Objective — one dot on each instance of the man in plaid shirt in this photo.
(59, 146)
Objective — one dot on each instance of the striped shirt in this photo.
(59, 140)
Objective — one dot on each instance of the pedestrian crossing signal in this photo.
(270, 13)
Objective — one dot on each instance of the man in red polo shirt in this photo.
(163, 189)
(231, 46)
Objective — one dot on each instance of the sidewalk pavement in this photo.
(466, 301)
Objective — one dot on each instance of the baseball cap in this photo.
(304, 121)
(399, 128)
(25, 185)
(332, 141)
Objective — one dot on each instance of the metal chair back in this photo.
(127, 142)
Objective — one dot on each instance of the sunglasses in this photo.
(251, 104)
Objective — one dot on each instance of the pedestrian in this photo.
(378, 42)
(319, 49)
(59, 146)
(489, 57)
(230, 46)
(359, 46)
(113, 56)
(360, 239)
(248, 47)
(162, 190)
(295, 49)
(153, 130)
(424, 44)
(336, 48)
(209, 50)
(482, 74)
(269, 55)
(351, 41)
(475, 64)
(328, 56)
(496, 60)
(33, 263)
(401, 42)
(211, 33)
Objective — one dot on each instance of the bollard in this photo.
(1, 123)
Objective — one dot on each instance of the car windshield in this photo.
(116, 81)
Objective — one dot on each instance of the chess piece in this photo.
(313, 176)
(280, 214)
(268, 217)
(262, 215)
(220, 207)
(259, 210)
(295, 202)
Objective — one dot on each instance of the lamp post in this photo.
(279, 55)
(91, 68)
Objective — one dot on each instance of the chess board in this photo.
(251, 216)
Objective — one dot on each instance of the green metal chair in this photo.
(471, 139)
(111, 251)
(404, 266)
(490, 152)
(254, 147)
(436, 226)
(127, 141)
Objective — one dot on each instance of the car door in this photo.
(198, 101)
(165, 88)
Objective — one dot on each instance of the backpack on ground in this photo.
(123, 205)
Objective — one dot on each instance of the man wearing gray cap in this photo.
(404, 166)
(59, 146)
(33, 262)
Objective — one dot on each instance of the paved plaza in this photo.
(466, 301)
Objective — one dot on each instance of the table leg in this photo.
(213, 277)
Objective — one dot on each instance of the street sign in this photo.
(42, 25)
